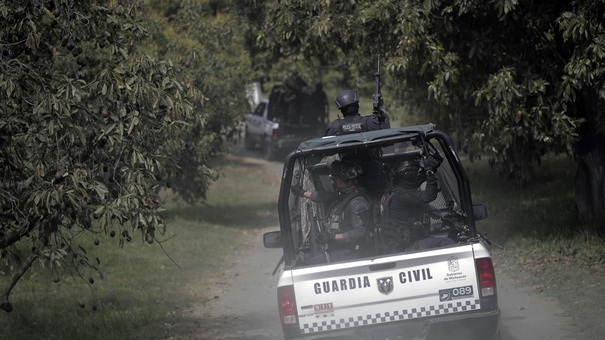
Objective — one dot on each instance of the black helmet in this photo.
(346, 98)
(409, 174)
(408, 167)
(345, 170)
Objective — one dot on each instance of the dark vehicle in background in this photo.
(288, 117)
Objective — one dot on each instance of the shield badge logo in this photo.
(452, 264)
(385, 285)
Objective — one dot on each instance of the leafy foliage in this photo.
(205, 37)
(93, 126)
(511, 80)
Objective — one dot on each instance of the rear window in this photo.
(309, 218)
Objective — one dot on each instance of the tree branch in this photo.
(16, 236)
(4, 303)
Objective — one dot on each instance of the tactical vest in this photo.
(398, 235)
(358, 124)
(336, 212)
(335, 220)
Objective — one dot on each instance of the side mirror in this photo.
(272, 239)
(479, 211)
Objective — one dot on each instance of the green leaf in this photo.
(101, 190)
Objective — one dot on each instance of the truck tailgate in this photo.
(387, 289)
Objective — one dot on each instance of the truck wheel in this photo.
(268, 152)
(248, 142)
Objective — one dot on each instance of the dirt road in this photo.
(245, 305)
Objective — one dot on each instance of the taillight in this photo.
(286, 302)
(487, 277)
(275, 134)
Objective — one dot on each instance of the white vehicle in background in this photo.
(442, 291)
(279, 124)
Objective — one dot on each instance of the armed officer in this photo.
(349, 218)
(404, 206)
(347, 102)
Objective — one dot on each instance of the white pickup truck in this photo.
(442, 290)
(279, 124)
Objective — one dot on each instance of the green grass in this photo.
(538, 220)
(546, 248)
(542, 208)
(148, 292)
(584, 250)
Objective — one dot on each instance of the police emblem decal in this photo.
(452, 264)
(444, 296)
(385, 285)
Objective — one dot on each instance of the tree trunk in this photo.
(590, 183)
(590, 189)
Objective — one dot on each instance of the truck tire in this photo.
(248, 142)
(268, 151)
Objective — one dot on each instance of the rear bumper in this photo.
(289, 143)
(290, 138)
(471, 326)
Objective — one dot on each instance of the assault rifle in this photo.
(314, 233)
(455, 220)
(377, 95)
(378, 102)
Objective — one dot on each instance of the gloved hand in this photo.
(326, 236)
(297, 190)
(380, 116)
(431, 164)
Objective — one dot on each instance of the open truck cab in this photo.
(440, 287)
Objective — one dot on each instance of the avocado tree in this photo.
(511, 80)
(93, 124)
(206, 38)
